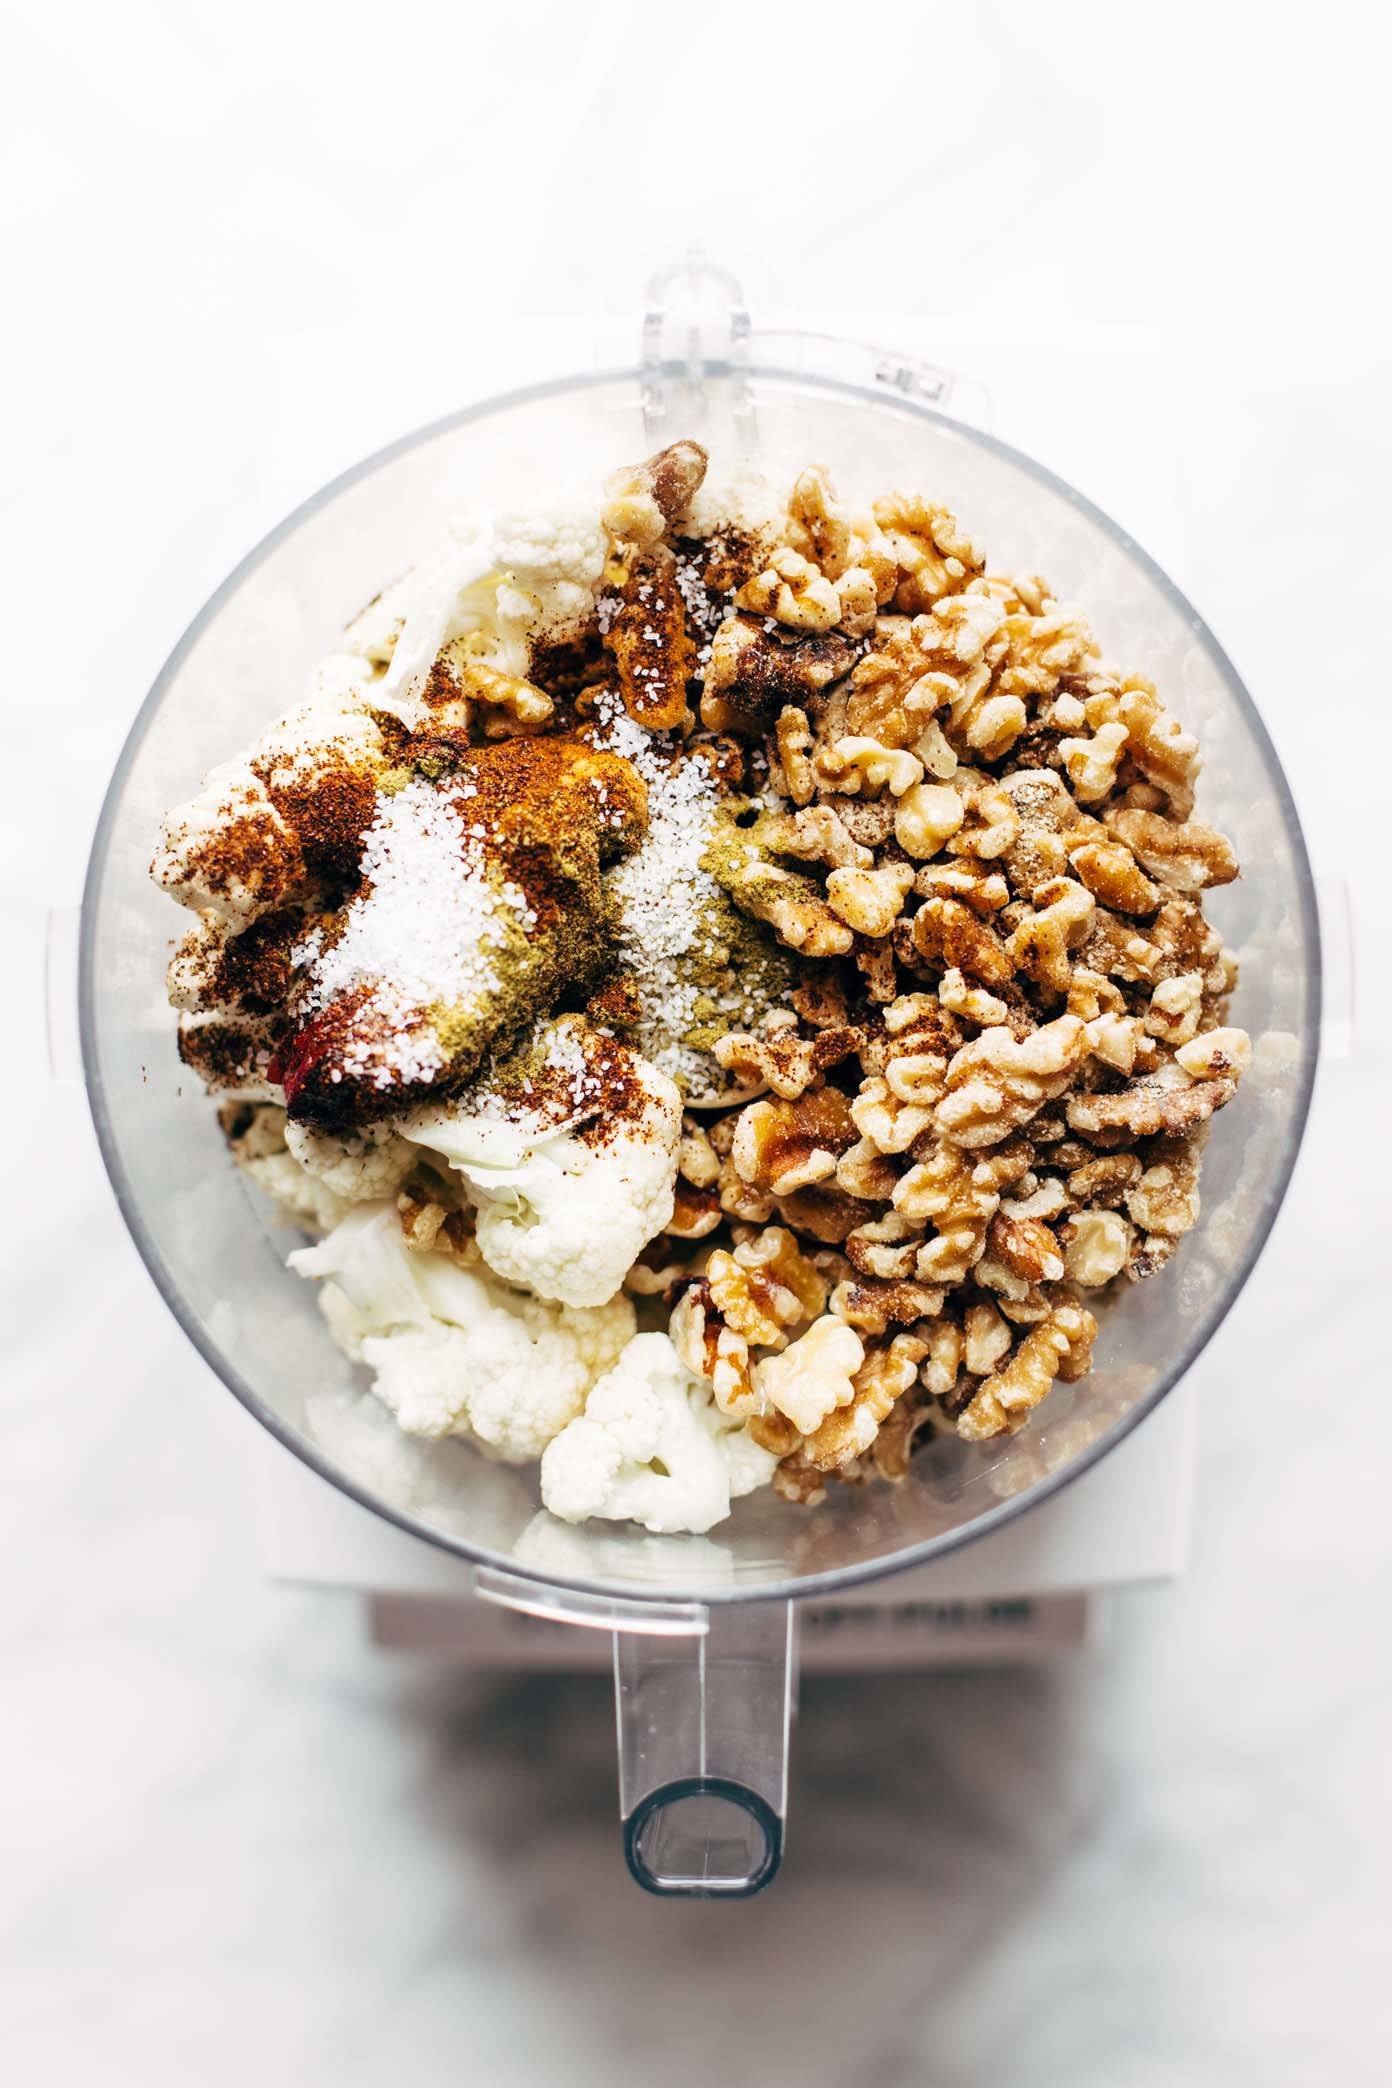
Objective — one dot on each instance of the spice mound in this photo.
(722, 976)
(480, 896)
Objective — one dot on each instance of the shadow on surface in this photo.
(927, 1814)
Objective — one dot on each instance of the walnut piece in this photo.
(1149, 1106)
(695, 1212)
(873, 1303)
(864, 1171)
(885, 1120)
(986, 1339)
(881, 1381)
(927, 816)
(1217, 1054)
(1165, 1200)
(824, 1212)
(959, 1196)
(819, 528)
(432, 1226)
(1046, 820)
(883, 1247)
(753, 674)
(893, 1447)
(933, 556)
(646, 499)
(972, 1003)
(765, 1287)
(793, 907)
(739, 1200)
(814, 1376)
(1005, 1399)
(992, 824)
(894, 692)
(1111, 873)
(971, 883)
(782, 1059)
(855, 763)
(1041, 945)
(870, 900)
(949, 934)
(816, 834)
(996, 1083)
(793, 736)
(1103, 1181)
(792, 591)
(652, 649)
(786, 1146)
(697, 1160)
(1026, 1247)
(1184, 855)
(1175, 1008)
(506, 705)
(1043, 642)
(712, 1350)
(1096, 1246)
(875, 961)
(1092, 763)
(1166, 755)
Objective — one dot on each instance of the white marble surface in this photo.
(233, 1840)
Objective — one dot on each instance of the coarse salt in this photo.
(663, 891)
(421, 932)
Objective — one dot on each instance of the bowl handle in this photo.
(703, 1695)
(703, 1751)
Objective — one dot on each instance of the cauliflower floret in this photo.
(498, 582)
(566, 1212)
(229, 851)
(451, 1353)
(651, 1447)
(742, 496)
(365, 1164)
(311, 1179)
(195, 865)
(565, 549)
(445, 597)
(298, 1198)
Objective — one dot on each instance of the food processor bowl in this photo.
(703, 1625)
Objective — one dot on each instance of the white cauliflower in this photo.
(447, 595)
(452, 1353)
(298, 1198)
(365, 1164)
(237, 885)
(744, 497)
(245, 1071)
(561, 1211)
(256, 1138)
(552, 561)
(651, 1447)
(191, 966)
(198, 862)
(496, 581)
(331, 730)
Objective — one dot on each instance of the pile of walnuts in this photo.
(991, 1092)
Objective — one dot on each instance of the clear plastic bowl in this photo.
(220, 1265)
